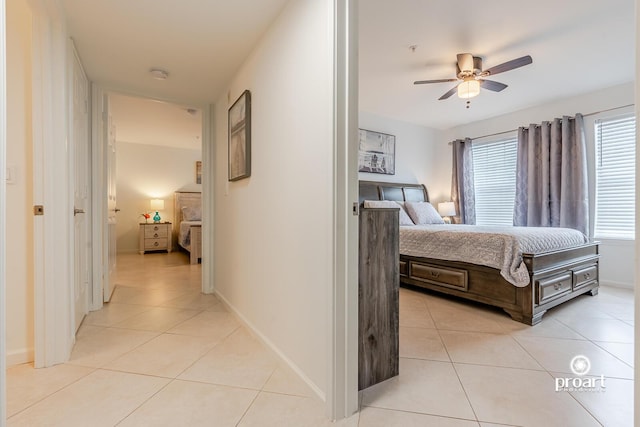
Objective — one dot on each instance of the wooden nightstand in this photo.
(155, 236)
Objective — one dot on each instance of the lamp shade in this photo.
(446, 209)
(157, 204)
(469, 88)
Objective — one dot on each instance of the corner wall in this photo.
(415, 147)
(274, 230)
(19, 257)
(144, 172)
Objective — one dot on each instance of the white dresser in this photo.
(155, 237)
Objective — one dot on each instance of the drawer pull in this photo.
(156, 244)
(435, 274)
(587, 276)
(557, 286)
(155, 228)
(155, 235)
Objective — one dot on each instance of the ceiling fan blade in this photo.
(421, 82)
(449, 93)
(509, 65)
(491, 85)
(465, 62)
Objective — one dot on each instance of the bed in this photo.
(551, 277)
(188, 223)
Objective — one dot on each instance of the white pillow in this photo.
(191, 213)
(404, 218)
(423, 213)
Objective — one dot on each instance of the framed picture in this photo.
(240, 138)
(198, 172)
(376, 152)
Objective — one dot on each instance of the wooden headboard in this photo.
(185, 198)
(374, 190)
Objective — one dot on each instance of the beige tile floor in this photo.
(163, 354)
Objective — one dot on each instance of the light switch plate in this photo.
(10, 177)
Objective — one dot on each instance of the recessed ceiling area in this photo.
(146, 121)
(577, 47)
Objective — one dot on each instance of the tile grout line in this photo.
(453, 365)
(544, 369)
(93, 369)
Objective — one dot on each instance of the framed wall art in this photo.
(240, 138)
(376, 152)
(199, 172)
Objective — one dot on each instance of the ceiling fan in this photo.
(470, 74)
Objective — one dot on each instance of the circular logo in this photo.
(580, 365)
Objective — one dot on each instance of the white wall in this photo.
(144, 172)
(273, 246)
(415, 147)
(20, 315)
(617, 256)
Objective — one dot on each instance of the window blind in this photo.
(494, 173)
(615, 178)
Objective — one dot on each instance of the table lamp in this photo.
(157, 205)
(446, 211)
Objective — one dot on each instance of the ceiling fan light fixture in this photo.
(469, 88)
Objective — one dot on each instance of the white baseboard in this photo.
(271, 346)
(20, 356)
(612, 284)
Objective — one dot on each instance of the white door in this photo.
(109, 285)
(80, 144)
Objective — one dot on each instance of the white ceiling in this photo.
(145, 121)
(577, 47)
(200, 43)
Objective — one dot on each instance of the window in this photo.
(494, 173)
(615, 177)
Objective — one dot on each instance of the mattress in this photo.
(496, 247)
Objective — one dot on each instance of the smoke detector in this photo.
(159, 74)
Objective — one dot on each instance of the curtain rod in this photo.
(584, 115)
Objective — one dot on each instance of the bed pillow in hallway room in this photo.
(190, 213)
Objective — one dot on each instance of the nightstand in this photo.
(155, 236)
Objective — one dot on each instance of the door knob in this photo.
(116, 210)
(77, 211)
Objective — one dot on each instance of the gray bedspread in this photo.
(497, 247)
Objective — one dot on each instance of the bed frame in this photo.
(555, 277)
(188, 198)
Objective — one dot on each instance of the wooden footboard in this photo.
(191, 199)
(195, 250)
(555, 277)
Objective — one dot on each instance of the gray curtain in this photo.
(551, 175)
(462, 187)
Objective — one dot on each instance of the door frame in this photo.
(3, 213)
(99, 241)
(208, 207)
(74, 58)
(54, 334)
(342, 390)
(99, 145)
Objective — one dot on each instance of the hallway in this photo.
(162, 353)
